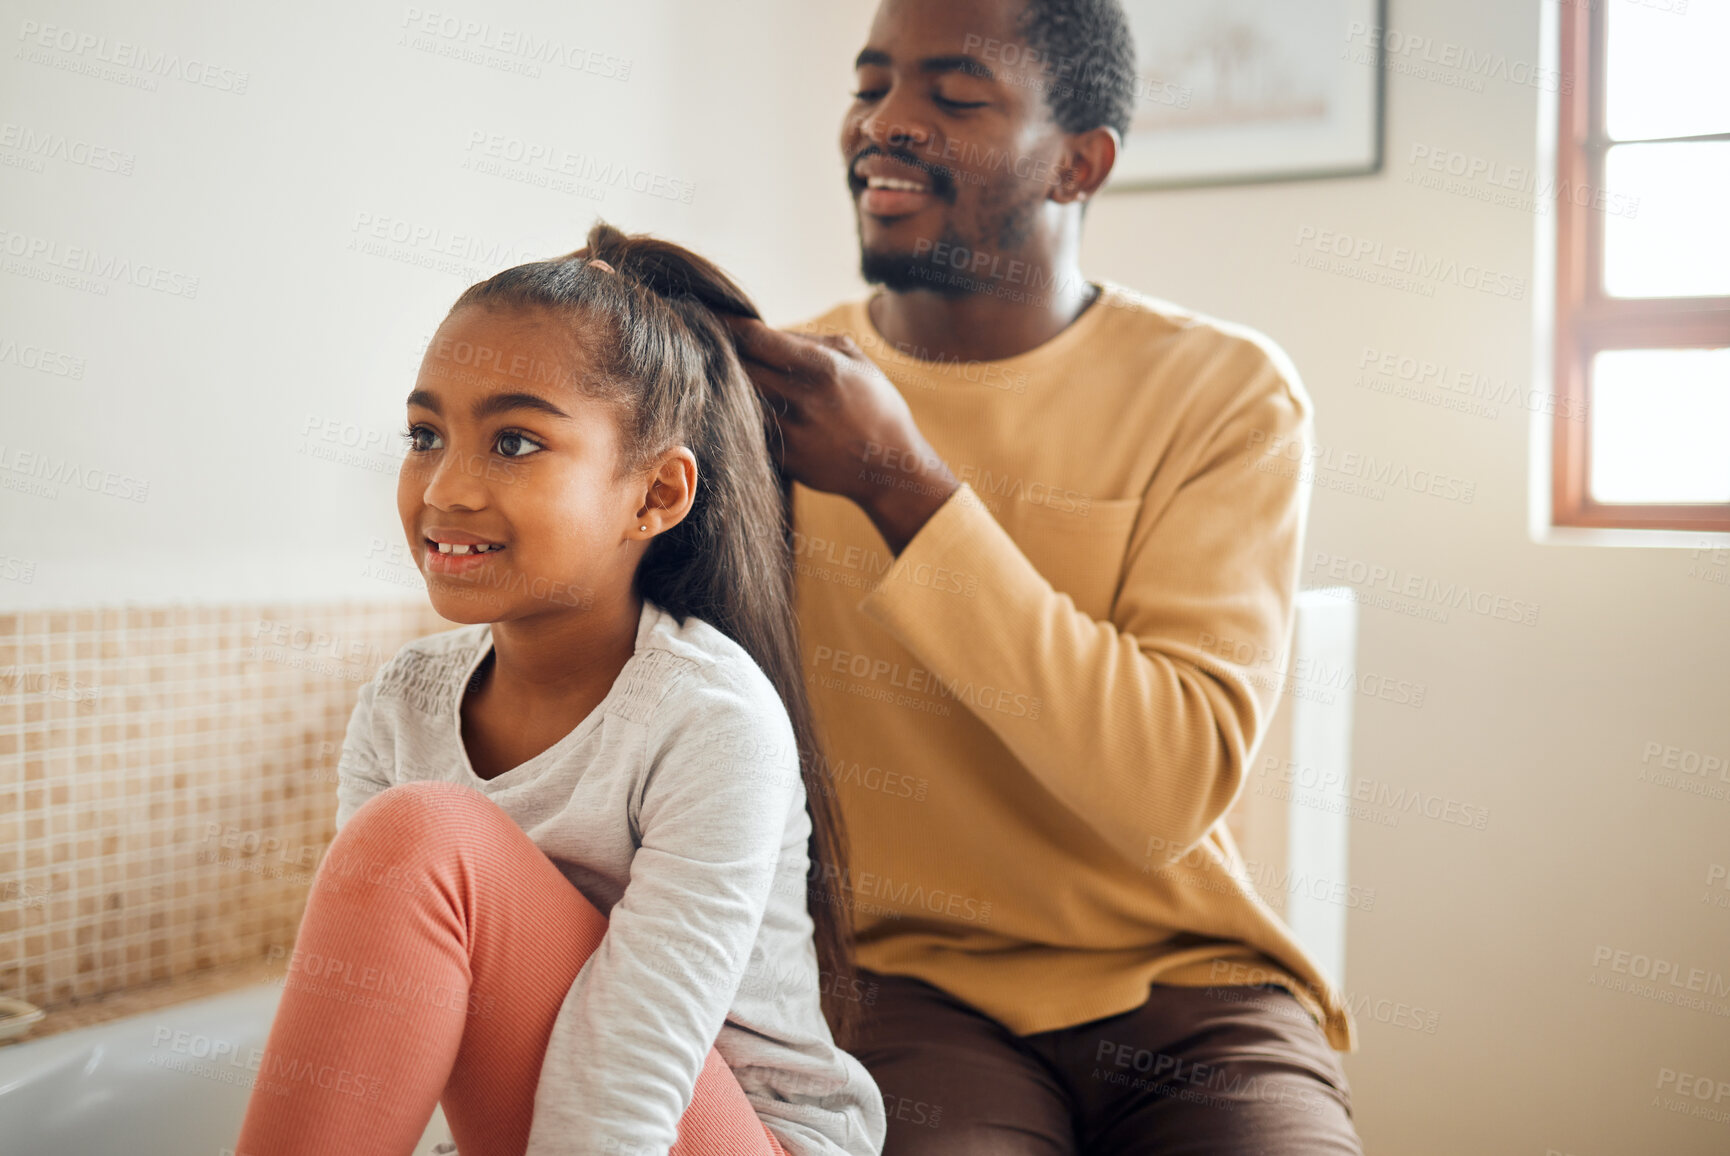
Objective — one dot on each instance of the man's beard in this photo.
(950, 276)
(904, 272)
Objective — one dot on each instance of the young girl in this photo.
(586, 917)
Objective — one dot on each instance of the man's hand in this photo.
(842, 427)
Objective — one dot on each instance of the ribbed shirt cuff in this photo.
(963, 537)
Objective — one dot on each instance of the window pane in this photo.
(1661, 425)
(1665, 69)
(1669, 234)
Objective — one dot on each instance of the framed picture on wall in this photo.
(1234, 91)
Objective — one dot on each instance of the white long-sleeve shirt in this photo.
(676, 807)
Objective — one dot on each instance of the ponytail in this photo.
(667, 358)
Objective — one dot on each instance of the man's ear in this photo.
(1087, 162)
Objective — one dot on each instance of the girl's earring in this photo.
(642, 527)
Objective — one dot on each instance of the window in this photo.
(1642, 419)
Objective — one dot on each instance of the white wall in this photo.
(195, 416)
(1492, 932)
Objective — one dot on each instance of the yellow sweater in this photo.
(1032, 740)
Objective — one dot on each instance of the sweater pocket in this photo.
(1080, 550)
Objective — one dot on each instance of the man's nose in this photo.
(891, 124)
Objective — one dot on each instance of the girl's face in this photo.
(508, 492)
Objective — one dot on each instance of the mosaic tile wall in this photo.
(167, 782)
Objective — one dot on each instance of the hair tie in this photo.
(597, 263)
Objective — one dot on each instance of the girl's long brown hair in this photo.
(654, 335)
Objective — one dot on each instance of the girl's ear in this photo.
(672, 490)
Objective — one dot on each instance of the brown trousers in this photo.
(1195, 1071)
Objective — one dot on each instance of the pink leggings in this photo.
(437, 947)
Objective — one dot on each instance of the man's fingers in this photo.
(774, 400)
(774, 385)
(776, 439)
(781, 395)
(842, 343)
(782, 405)
(793, 354)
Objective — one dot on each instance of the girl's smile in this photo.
(449, 551)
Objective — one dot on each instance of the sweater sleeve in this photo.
(1142, 730)
(636, 1027)
(359, 771)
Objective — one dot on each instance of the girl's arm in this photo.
(633, 1032)
(359, 772)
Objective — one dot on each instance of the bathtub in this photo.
(170, 1082)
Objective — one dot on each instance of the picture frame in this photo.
(1244, 91)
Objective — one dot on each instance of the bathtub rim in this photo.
(118, 1005)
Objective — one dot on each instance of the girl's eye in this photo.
(945, 102)
(512, 445)
(868, 94)
(419, 437)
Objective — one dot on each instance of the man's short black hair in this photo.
(1090, 61)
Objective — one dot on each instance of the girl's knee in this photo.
(412, 832)
(425, 813)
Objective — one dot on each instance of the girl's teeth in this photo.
(454, 548)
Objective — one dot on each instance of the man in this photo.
(1024, 521)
